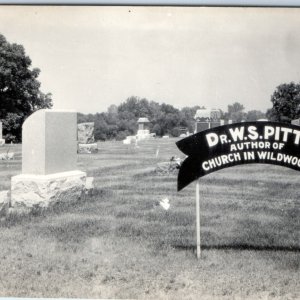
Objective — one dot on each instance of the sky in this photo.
(94, 56)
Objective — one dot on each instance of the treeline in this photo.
(121, 121)
(20, 96)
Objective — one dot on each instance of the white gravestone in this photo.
(2, 141)
(49, 157)
(86, 140)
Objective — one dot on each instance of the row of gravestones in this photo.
(85, 136)
(49, 164)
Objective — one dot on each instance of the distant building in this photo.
(208, 118)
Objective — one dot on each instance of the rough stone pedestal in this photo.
(40, 191)
(88, 148)
(4, 202)
(86, 133)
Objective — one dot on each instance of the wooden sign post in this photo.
(236, 144)
(198, 218)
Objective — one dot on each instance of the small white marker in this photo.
(165, 203)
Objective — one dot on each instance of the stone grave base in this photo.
(2, 142)
(30, 192)
(4, 202)
(88, 148)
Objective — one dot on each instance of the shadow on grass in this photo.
(240, 247)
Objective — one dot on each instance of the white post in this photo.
(198, 217)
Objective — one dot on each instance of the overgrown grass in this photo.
(119, 244)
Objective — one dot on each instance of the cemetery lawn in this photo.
(119, 244)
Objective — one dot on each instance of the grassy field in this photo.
(119, 244)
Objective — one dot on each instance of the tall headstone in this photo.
(86, 140)
(49, 161)
(49, 142)
(143, 129)
(2, 141)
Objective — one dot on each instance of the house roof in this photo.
(208, 113)
(143, 120)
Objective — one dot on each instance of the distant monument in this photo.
(143, 132)
(49, 161)
(143, 123)
(2, 141)
(143, 129)
(86, 140)
(209, 118)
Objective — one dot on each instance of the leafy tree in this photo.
(286, 103)
(163, 117)
(101, 127)
(81, 118)
(133, 106)
(187, 117)
(175, 131)
(157, 130)
(120, 121)
(235, 112)
(20, 93)
(270, 114)
(112, 109)
(254, 115)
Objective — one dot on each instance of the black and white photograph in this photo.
(149, 152)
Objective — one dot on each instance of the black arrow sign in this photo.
(236, 144)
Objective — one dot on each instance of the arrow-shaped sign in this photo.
(236, 144)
